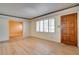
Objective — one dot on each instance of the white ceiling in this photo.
(30, 10)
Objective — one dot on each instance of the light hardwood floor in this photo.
(35, 46)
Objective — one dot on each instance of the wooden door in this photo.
(15, 29)
(69, 29)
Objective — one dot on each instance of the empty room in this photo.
(39, 29)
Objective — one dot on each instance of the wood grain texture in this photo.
(36, 46)
(69, 29)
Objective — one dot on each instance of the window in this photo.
(51, 25)
(41, 26)
(47, 25)
(37, 26)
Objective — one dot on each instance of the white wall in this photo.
(3, 29)
(26, 28)
(57, 35)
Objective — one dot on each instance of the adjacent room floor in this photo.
(35, 46)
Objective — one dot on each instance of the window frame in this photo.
(43, 26)
(48, 25)
(54, 25)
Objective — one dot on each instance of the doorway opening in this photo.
(15, 30)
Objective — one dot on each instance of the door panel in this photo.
(69, 29)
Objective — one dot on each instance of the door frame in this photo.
(16, 21)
